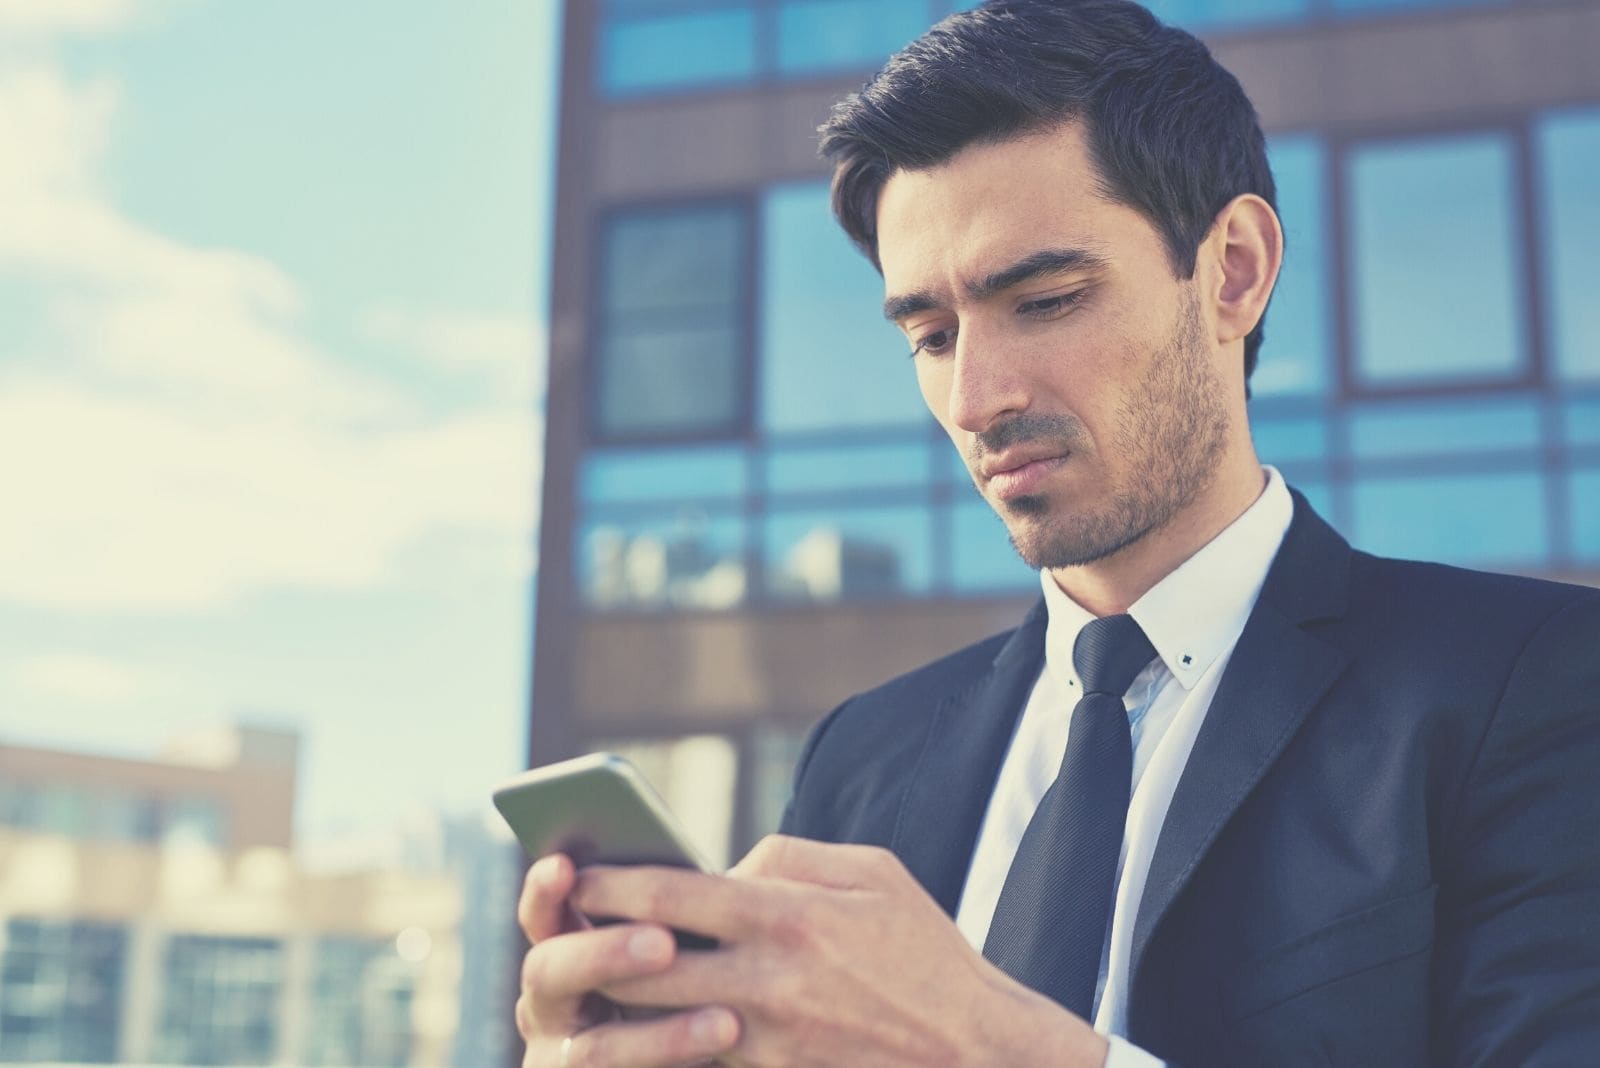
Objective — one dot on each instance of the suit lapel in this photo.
(967, 739)
(1276, 675)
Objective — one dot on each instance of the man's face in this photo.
(1075, 373)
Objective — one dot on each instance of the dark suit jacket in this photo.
(1384, 849)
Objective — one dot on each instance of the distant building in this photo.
(152, 912)
(747, 512)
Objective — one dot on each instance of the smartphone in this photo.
(597, 809)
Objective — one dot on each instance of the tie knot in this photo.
(1109, 654)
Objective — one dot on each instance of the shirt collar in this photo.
(1224, 576)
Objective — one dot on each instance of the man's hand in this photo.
(569, 962)
(829, 955)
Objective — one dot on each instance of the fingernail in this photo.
(712, 1026)
(650, 945)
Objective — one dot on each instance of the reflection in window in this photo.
(982, 559)
(1445, 427)
(691, 560)
(828, 358)
(1294, 355)
(220, 1000)
(674, 50)
(696, 776)
(663, 474)
(672, 334)
(848, 552)
(1569, 159)
(1436, 285)
(842, 34)
(61, 991)
(1495, 520)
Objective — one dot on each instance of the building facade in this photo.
(151, 911)
(748, 514)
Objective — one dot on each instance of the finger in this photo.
(692, 901)
(682, 1038)
(541, 910)
(558, 972)
(842, 866)
(703, 977)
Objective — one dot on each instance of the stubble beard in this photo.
(1172, 430)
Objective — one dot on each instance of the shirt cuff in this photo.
(1124, 1054)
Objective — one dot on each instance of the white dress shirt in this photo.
(1193, 617)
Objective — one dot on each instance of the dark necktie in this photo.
(1049, 925)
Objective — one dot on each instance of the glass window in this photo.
(1364, 6)
(843, 34)
(360, 1008)
(1583, 504)
(1436, 285)
(774, 752)
(1290, 439)
(61, 991)
(672, 332)
(1294, 354)
(828, 358)
(981, 556)
(664, 474)
(678, 50)
(1445, 427)
(1569, 159)
(1316, 493)
(219, 1002)
(1494, 520)
(692, 559)
(1210, 14)
(835, 468)
(1581, 418)
(849, 553)
(696, 776)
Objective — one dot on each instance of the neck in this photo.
(1113, 583)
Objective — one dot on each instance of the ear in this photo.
(1247, 245)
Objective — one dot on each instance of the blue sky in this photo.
(272, 286)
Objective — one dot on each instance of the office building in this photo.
(749, 515)
(151, 911)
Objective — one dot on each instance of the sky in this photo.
(272, 292)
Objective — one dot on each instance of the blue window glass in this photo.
(981, 557)
(1444, 427)
(649, 53)
(694, 559)
(1294, 356)
(665, 474)
(1290, 439)
(1316, 493)
(1364, 6)
(1494, 520)
(1583, 504)
(835, 468)
(828, 358)
(1569, 159)
(841, 34)
(1436, 289)
(848, 553)
(672, 335)
(1581, 418)
(1212, 14)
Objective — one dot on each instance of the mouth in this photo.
(1019, 476)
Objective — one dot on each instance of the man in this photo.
(1345, 811)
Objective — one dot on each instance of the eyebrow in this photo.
(1036, 265)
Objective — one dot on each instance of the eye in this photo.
(935, 342)
(1050, 307)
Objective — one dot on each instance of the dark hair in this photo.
(1171, 132)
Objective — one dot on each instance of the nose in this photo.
(986, 384)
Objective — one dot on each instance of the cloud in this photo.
(175, 438)
(79, 678)
(505, 350)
